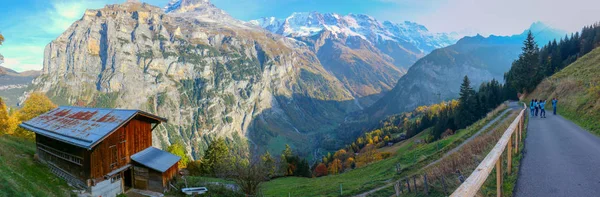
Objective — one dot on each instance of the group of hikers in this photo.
(540, 106)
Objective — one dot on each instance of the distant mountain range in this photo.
(438, 75)
(13, 84)
(367, 55)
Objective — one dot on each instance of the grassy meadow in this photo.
(21, 175)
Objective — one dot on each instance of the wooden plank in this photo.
(509, 153)
(480, 174)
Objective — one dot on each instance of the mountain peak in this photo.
(202, 10)
(181, 6)
(361, 25)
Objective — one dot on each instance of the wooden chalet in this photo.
(105, 151)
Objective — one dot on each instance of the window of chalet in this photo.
(114, 158)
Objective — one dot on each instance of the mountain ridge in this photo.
(438, 75)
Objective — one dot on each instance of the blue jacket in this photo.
(531, 105)
(554, 103)
(543, 105)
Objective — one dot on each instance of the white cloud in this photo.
(23, 57)
(20, 66)
(505, 17)
(63, 13)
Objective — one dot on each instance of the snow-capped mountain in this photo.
(203, 10)
(302, 24)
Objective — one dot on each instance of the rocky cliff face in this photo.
(209, 78)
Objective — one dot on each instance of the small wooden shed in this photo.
(153, 169)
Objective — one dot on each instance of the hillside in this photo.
(21, 175)
(577, 88)
(13, 84)
(438, 75)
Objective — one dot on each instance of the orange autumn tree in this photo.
(321, 170)
(35, 105)
(4, 118)
(335, 166)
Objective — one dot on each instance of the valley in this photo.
(289, 103)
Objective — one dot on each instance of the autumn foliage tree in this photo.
(35, 105)
(4, 118)
(321, 170)
(335, 167)
(178, 149)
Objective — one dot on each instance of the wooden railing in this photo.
(493, 159)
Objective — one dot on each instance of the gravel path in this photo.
(561, 159)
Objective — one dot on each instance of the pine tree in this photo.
(467, 105)
(217, 158)
(525, 71)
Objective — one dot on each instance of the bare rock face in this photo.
(209, 78)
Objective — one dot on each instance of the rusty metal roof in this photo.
(156, 159)
(83, 127)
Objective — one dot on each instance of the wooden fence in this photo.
(493, 159)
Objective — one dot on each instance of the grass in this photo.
(577, 88)
(216, 186)
(465, 160)
(21, 175)
(410, 155)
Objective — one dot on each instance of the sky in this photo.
(29, 25)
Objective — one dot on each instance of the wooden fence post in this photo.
(499, 178)
(517, 140)
(400, 184)
(444, 185)
(415, 183)
(509, 153)
(396, 189)
(425, 183)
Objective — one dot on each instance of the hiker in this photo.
(543, 109)
(554, 102)
(531, 107)
(537, 107)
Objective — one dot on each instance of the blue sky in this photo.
(29, 25)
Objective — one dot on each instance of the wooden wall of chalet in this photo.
(114, 152)
(69, 158)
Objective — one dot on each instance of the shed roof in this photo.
(83, 127)
(156, 159)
